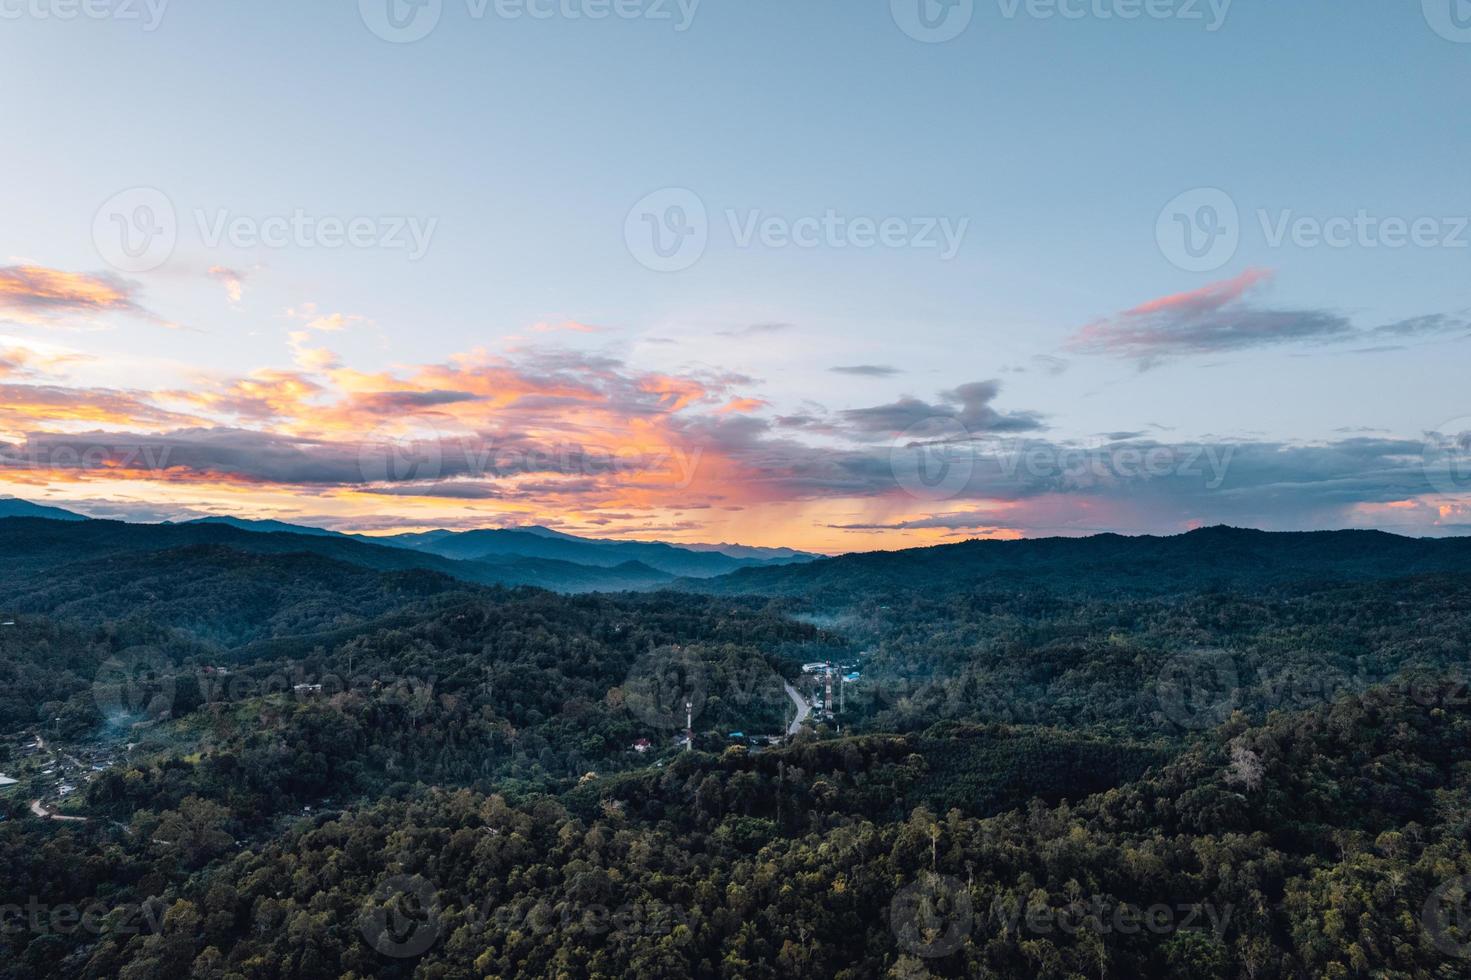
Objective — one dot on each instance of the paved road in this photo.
(803, 708)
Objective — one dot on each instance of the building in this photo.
(642, 745)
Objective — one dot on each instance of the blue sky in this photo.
(1056, 141)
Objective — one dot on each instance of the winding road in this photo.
(803, 708)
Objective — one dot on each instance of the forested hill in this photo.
(1206, 559)
(33, 546)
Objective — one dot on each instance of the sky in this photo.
(833, 275)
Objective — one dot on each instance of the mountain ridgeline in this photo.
(254, 751)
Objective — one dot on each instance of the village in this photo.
(819, 695)
(50, 775)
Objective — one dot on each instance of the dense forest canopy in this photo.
(253, 755)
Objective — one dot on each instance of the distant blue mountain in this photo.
(620, 564)
(269, 527)
(541, 542)
(15, 507)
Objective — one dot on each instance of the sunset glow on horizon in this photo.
(623, 286)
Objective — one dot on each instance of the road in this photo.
(803, 708)
(40, 811)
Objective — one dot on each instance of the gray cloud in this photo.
(867, 370)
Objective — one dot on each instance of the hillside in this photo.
(1210, 558)
(36, 545)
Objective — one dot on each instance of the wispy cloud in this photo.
(755, 329)
(232, 279)
(1228, 316)
(37, 295)
(1209, 320)
(867, 370)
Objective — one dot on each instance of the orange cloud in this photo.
(33, 294)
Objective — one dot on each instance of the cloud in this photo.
(325, 322)
(968, 406)
(233, 281)
(1213, 319)
(867, 370)
(1429, 325)
(755, 329)
(33, 294)
(1222, 317)
(742, 405)
(577, 437)
(317, 360)
(1049, 364)
(566, 326)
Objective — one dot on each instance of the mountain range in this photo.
(535, 556)
(35, 537)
